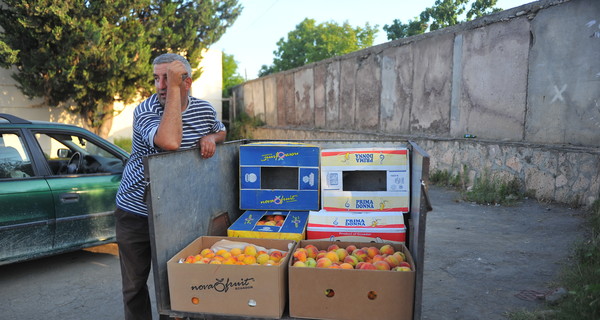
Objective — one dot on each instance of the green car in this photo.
(57, 188)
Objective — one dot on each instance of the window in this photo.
(74, 154)
(14, 159)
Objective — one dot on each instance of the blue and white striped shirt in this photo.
(199, 119)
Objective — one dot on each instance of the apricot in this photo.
(235, 252)
(205, 251)
(249, 260)
(250, 250)
(387, 249)
(262, 258)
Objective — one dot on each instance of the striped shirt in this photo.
(199, 119)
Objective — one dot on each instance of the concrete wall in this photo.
(12, 101)
(525, 81)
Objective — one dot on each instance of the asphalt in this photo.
(480, 263)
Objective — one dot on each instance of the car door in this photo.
(26, 202)
(84, 195)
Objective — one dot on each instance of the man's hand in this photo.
(208, 143)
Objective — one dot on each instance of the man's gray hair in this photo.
(170, 57)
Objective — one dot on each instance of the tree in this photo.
(311, 42)
(87, 55)
(231, 77)
(443, 14)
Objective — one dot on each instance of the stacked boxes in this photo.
(364, 192)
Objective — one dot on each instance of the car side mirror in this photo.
(63, 153)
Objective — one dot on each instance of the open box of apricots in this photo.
(230, 276)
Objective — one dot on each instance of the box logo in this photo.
(222, 285)
(356, 223)
(365, 204)
(278, 156)
(364, 157)
(280, 200)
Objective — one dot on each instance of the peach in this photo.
(279, 223)
(367, 266)
(350, 248)
(392, 261)
(341, 253)
(404, 264)
(401, 269)
(310, 262)
(333, 247)
(360, 254)
(381, 265)
(331, 255)
(324, 263)
(400, 255)
(312, 251)
(372, 251)
(271, 223)
(189, 259)
(346, 265)
(387, 249)
(276, 256)
(321, 254)
(215, 262)
(334, 266)
(352, 260)
(300, 255)
(377, 257)
(359, 265)
(299, 264)
(250, 250)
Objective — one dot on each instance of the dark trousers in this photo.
(133, 238)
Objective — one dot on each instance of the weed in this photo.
(487, 190)
(242, 126)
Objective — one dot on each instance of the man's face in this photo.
(160, 82)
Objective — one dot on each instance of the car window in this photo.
(14, 159)
(75, 154)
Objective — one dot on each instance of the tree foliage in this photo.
(87, 55)
(231, 77)
(443, 14)
(311, 42)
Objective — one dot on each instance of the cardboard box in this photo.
(255, 224)
(365, 179)
(323, 293)
(381, 227)
(239, 290)
(279, 176)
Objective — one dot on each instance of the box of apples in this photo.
(230, 276)
(348, 280)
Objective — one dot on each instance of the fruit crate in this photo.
(190, 197)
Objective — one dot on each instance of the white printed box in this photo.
(365, 179)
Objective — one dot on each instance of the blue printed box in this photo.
(270, 224)
(279, 176)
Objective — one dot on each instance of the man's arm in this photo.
(170, 131)
(208, 143)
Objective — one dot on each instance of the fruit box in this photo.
(356, 226)
(365, 179)
(279, 176)
(239, 290)
(324, 293)
(257, 224)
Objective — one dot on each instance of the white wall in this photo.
(12, 101)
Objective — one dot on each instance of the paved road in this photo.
(477, 259)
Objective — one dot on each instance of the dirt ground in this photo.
(483, 261)
(477, 260)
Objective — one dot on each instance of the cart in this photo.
(190, 197)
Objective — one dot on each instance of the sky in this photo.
(254, 35)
